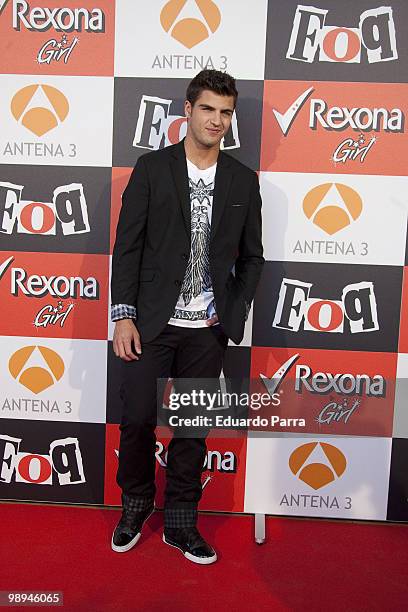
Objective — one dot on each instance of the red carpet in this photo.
(305, 565)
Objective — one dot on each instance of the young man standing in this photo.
(187, 259)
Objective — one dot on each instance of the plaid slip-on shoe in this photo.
(129, 529)
(191, 543)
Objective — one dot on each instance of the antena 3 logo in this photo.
(317, 474)
(296, 309)
(63, 464)
(190, 29)
(332, 206)
(36, 378)
(68, 211)
(312, 40)
(38, 119)
(39, 109)
(157, 128)
(189, 22)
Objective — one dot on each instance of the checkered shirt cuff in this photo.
(176, 518)
(136, 504)
(122, 311)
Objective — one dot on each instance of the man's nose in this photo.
(216, 119)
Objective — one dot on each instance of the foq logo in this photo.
(190, 21)
(332, 206)
(157, 128)
(312, 40)
(39, 108)
(36, 367)
(317, 474)
(63, 461)
(68, 211)
(296, 309)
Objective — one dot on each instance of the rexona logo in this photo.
(323, 383)
(36, 367)
(296, 309)
(39, 286)
(68, 211)
(332, 206)
(350, 388)
(215, 461)
(317, 474)
(312, 40)
(63, 461)
(190, 22)
(157, 128)
(61, 19)
(339, 118)
(39, 108)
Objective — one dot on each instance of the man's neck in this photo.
(202, 157)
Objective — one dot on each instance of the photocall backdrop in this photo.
(88, 87)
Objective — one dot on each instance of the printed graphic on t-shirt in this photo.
(196, 292)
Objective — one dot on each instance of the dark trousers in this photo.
(178, 352)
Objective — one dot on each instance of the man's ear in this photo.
(187, 109)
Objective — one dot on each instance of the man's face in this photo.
(210, 117)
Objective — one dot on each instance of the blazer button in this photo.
(178, 283)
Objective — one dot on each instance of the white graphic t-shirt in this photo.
(196, 300)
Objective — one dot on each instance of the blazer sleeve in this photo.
(250, 260)
(130, 235)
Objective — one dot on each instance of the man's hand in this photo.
(214, 319)
(125, 333)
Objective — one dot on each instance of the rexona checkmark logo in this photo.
(39, 108)
(190, 21)
(36, 367)
(332, 206)
(317, 464)
(286, 119)
(332, 118)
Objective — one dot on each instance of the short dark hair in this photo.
(219, 82)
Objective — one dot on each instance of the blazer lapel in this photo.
(180, 176)
(223, 178)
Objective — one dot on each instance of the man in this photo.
(190, 213)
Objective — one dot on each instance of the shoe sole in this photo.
(133, 542)
(190, 557)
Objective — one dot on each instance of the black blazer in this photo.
(153, 240)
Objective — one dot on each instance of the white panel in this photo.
(81, 137)
(78, 395)
(289, 235)
(360, 492)
(144, 48)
